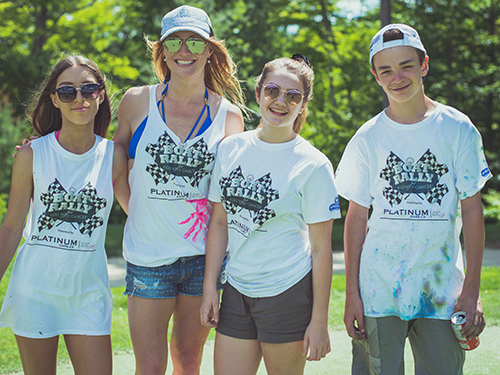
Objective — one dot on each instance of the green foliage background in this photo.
(461, 36)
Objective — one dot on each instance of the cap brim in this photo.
(194, 29)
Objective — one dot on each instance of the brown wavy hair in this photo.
(301, 69)
(45, 118)
(220, 75)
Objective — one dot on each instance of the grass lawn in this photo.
(9, 357)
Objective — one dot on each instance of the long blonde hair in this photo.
(220, 75)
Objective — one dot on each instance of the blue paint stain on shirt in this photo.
(397, 291)
(446, 253)
(426, 305)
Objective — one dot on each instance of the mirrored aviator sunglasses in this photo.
(89, 91)
(292, 97)
(194, 45)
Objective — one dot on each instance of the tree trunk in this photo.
(330, 40)
(385, 19)
(40, 35)
(385, 12)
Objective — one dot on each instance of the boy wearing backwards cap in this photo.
(420, 166)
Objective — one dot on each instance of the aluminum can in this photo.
(458, 320)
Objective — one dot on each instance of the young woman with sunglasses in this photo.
(65, 179)
(172, 131)
(274, 204)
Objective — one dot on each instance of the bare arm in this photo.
(120, 177)
(354, 238)
(469, 300)
(132, 111)
(216, 249)
(21, 191)
(316, 338)
(234, 121)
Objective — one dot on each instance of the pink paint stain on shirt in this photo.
(201, 214)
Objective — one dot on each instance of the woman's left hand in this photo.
(316, 341)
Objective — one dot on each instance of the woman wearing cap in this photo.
(275, 219)
(172, 131)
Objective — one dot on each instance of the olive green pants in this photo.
(434, 346)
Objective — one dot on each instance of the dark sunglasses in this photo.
(194, 45)
(89, 91)
(272, 92)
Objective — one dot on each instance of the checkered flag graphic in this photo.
(207, 158)
(393, 196)
(430, 159)
(392, 161)
(90, 191)
(154, 149)
(226, 182)
(89, 225)
(201, 147)
(44, 221)
(264, 183)
(270, 193)
(263, 215)
(158, 174)
(436, 194)
(54, 188)
(161, 175)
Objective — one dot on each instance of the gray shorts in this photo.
(434, 346)
(278, 319)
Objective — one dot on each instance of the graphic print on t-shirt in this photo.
(240, 193)
(173, 160)
(409, 177)
(71, 207)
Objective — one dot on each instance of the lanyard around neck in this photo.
(162, 107)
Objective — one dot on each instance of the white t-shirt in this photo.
(59, 283)
(168, 210)
(413, 177)
(271, 191)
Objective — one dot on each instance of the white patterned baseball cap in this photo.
(410, 39)
(186, 18)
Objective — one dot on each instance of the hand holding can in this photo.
(458, 320)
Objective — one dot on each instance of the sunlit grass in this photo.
(9, 356)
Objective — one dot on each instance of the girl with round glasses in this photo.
(65, 179)
(172, 131)
(274, 203)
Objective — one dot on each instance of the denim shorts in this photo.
(184, 276)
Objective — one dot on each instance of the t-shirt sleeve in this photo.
(352, 178)
(320, 201)
(471, 166)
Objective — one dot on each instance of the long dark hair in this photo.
(45, 118)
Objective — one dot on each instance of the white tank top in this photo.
(168, 209)
(59, 283)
